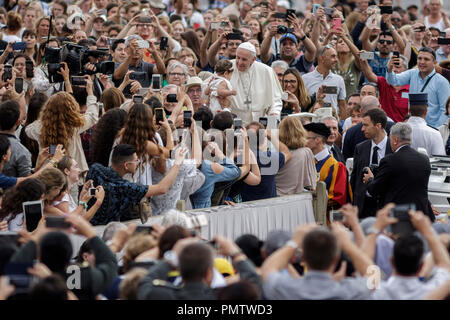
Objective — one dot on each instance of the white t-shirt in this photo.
(439, 25)
(11, 38)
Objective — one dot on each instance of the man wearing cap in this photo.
(258, 91)
(425, 79)
(194, 91)
(97, 26)
(157, 7)
(423, 136)
(332, 172)
(289, 52)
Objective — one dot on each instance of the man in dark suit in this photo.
(354, 135)
(195, 261)
(402, 176)
(369, 153)
(332, 124)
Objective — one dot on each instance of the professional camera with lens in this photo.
(373, 168)
(283, 29)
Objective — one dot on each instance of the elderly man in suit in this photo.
(402, 176)
(369, 154)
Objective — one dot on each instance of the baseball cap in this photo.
(289, 36)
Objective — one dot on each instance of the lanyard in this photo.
(426, 83)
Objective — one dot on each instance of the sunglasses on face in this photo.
(385, 41)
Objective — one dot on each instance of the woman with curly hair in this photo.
(11, 210)
(104, 134)
(140, 131)
(60, 122)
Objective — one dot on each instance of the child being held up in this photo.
(219, 88)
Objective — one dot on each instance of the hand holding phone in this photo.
(159, 115)
(187, 121)
(138, 99)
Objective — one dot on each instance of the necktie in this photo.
(375, 155)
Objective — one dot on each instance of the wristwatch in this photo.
(392, 28)
(372, 229)
(172, 258)
(292, 244)
(303, 38)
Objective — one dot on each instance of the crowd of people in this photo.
(115, 110)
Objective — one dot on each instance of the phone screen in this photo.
(18, 85)
(33, 214)
(156, 82)
(159, 115)
(263, 121)
(29, 69)
(187, 115)
(52, 149)
(138, 99)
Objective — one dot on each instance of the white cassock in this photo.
(258, 92)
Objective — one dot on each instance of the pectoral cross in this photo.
(248, 102)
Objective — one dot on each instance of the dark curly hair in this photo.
(139, 129)
(28, 190)
(104, 134)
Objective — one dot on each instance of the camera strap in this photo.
(426, 83)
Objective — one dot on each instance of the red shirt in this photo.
(391, 100)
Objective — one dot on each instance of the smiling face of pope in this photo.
(244, 59)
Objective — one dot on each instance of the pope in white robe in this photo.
(258, 91)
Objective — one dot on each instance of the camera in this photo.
(7, 72)
(283, 29)
(372, 167)
(404, 225)
(172, 97)
(53, 75)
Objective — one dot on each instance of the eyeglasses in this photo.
(395, 19)
(176, 74)
(385, 41)
(144, 25)
(289, 81)
(135, 161)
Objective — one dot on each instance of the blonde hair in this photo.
(52, 178)
(292, 133)
(164, 21)
(129, 285)
(135, 246)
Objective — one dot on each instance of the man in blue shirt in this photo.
(425, 79)
(269, 161)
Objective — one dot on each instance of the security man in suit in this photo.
(369, 154)
(423, 135)
(354, 135)
(195, 261)
(402, 176)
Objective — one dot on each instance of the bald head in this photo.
(369, 103)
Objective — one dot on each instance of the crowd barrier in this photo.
(255, 217)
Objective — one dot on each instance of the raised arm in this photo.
(212, 52)
(367, 70)
(204, 48)
(366, 44)
(397, 38)
(265, 45)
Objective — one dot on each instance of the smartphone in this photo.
(9, 237)
(367, 55)
(33, 211)
(404, 225)
(336, 23)
(159, 115)
(187, 121)
(284, 96)
(100, 106)
(290, 12)
(18, 276)
(336, 215)
(163, 43)
(137, 75)
(29, 67)
(7, 72)
(18, 85)
(144, 229)
(138, 99)
(263, 121)
(156, 82)
(315, 8)
(215, 25)
(396, 54)
(328, 11)
(326, 105)
(57, 222)
(172, 97)
(224, 24)
(92, 191)
(385, 9)
(280, 15)
(19, 46)
(237, 123)
(52, 149)
(330, 90)
(443, 40)
(78, 81)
